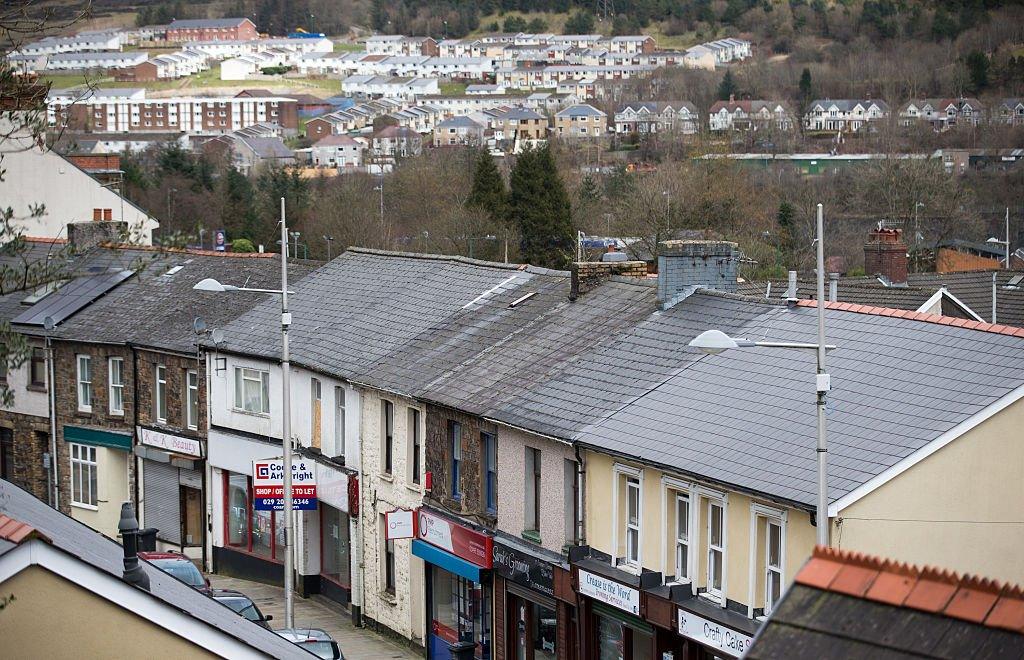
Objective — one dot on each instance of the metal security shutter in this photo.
(160, 490)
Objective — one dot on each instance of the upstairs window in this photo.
(455, 448)
(116, 369)
(84, 374)
(252, 390)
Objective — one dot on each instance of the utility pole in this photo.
(823, 385)
(286, 434)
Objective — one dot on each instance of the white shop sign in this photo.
(172, 443)
(713, 634)
(400, 524)
(609, 591)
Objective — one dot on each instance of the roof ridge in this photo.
(996, 328)
(193, 251)
(458, 259)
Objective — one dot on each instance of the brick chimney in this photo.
(684, 266)
(885, 255)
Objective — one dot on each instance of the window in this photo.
(315, 401)
(387, 429)
(7, 454)
(192, 403)
(3, 366)
(37, 368)
(85, 383)
(389, 559)
(490, 449)
(570, 500)
(633, 521)
(773, 565)
(339, 422)
(716, 549)
(455, 442)
(160, 395)
(116, 369)
(682, 540)
(415, 445)
(83, 475)
(531, 508)
(252, 390)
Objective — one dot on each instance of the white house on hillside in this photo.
(843, 114)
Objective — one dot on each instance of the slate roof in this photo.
(974, 289)
(267, 147)
(580, 110)
(849, 605)
(156, 308)
(898, 384)
(91, 547)
(200, 23)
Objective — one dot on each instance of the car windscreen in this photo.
(185, 571)
(319, 649)
(243, 606)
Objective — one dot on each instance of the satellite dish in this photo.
(199, 325)
(218, 336)
(48, 323)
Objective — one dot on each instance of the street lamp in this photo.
(330, 240)
(715, 341)
(212, 285)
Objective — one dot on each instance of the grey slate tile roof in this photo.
(746, 417)
(93, 548)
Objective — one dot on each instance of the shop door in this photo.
(191, 504)
(534, 628)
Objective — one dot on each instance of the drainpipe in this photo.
(54, 463)
(581, 527)
(135, 419)
(357, 536)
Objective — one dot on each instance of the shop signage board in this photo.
(610, 592)
(524, 569)
(268, 485)
(172, 443)
(400, 524)
(463, 542)
(713, 634)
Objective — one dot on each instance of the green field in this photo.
(340, 47)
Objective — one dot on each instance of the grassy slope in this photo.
(556, 22)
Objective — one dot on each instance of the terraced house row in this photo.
(583, 483)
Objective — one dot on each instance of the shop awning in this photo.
(446, 560)
(85, 436)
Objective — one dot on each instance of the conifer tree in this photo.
(488, 193)
(539, 208)
(727, 87)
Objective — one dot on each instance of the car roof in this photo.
(299, 634)
(150, 556)
(228, 593)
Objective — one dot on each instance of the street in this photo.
(319, 612)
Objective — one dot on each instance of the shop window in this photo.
(460, 610)
(262, 533)
(335, 560)
(84, 466)
(237, 510)
(534, 629)
(37, 368)
(339, 422)
(160, 395)
(490, 477)
(192, 404)
(455, 449)
(116, 374)
(415, 446)
(387, 432)
(315, 407)
(84, 383)
(252, 390)
(532, 490)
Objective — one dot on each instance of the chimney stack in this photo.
(129, 528)
(791, 296)
(84, 235)
(684, 266)
(833, 287)
(885, 255)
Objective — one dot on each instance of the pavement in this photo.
(319, 612)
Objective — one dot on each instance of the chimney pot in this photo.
(791, 289)
(128, 525)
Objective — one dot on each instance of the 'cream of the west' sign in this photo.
(609, 591)
(713, 634)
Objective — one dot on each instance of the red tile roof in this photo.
(918, 316)
(978, 600)
(16, 531)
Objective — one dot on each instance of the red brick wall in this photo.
(317, 128)
(500, 619)
(885, 253)
(96, 161)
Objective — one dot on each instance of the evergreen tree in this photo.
(488, 192)
(581, 22)
(238, 215)
(727, 88)
(514, 24)
(977, 67)
(785, 218)
(806, 86)
(539, 208)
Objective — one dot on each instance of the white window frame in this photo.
(761, 514)
(634, 483)
(116, 386)
(682, 571)
(84, 380)
(192, 399)
(239, 384)
(160, 393)
(84, 458)
(718, 595)
(622, 473)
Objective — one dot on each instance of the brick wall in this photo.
(885, 254)
(588, 274)
(96, 161)
(176, 368)
(31, 439)
(499, 642)
(439, 460)
(953, 261)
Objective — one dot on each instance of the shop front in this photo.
(457, 562)
(327, 533)
(614, 626)
(710, 632)
(172, 490)
(534, 613)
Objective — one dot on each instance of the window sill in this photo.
(717, 600)
(628, 567)
(384, 476)
(388, 598)
(118, 415)
(250, 413)
(532, 535)
(36, 388)
(87, 507)
(416, 488)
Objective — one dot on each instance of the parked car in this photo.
(243, 605)
(314, 640)
(179, 566)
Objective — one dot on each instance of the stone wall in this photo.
(31, 439)
(588, 274)
(439, 462)
(176, 368)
